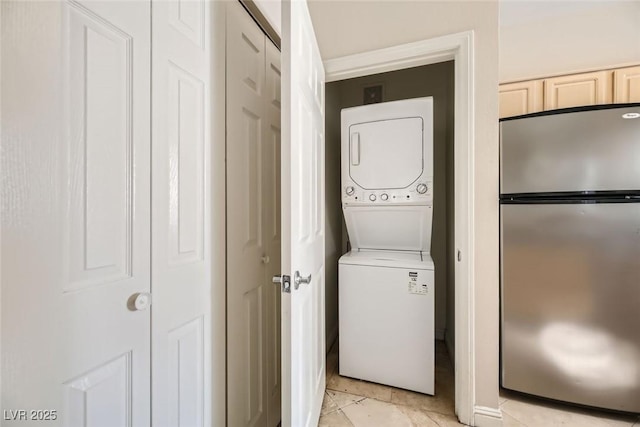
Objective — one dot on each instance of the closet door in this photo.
(180, 207)
(272, 202)
(75, 213)
(253, 223)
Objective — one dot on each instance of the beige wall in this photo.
(432, 80)
(348, 27)
(543, 38)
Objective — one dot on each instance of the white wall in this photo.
(348, 27)
(544, 38)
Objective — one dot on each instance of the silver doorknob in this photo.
(139, 301)
(266, 259)
(297, 279)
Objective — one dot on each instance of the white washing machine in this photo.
(386, 303)
(386, 283)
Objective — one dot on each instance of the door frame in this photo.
(458, 47)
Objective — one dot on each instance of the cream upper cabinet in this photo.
(626, 85)
(578, 90)
(520, 98)
(619, 86)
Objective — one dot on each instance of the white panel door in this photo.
(75, 212)
(253, 223)
(180, 208)
(303, 335)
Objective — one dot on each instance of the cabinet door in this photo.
(520, 98)
(578, 90)
(626, 85)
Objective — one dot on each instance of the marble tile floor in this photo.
(353, 403)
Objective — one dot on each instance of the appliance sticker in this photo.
(415, 287)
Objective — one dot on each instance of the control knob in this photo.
(384, 196)
(372, 197)
(350, 190)
(421, 188)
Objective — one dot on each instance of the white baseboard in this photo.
(332, 336)
(487, 417)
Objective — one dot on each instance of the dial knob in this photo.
(350, 190)
(372, 197)
(421, 188)
(384, 196)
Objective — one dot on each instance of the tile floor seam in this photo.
(327, 395)
(424, 409)
(518, 420)
(426, 413)
(347, 417)
(355, 403)
(514, 417)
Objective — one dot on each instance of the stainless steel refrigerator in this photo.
(570, 255)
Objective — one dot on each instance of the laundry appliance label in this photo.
(416, 286)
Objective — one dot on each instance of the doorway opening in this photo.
(458, 48)
(435, 80)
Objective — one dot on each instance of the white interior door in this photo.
(303, 325)
(75, 212)
(253, 223)
(181, 255)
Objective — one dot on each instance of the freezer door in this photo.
(570, 298)
(578, 151)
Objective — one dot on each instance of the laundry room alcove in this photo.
(434, 80)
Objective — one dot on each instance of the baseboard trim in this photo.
(484, 416)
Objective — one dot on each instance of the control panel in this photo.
(419, 192)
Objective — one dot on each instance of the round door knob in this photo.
(350, 190)
(372, 197)
(266, 259)
(422, 188)
(139, 301)
(384, 196)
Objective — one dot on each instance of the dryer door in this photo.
(386, 154)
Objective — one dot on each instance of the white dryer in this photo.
(386, 283)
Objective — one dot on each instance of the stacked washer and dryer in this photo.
(386, 282)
